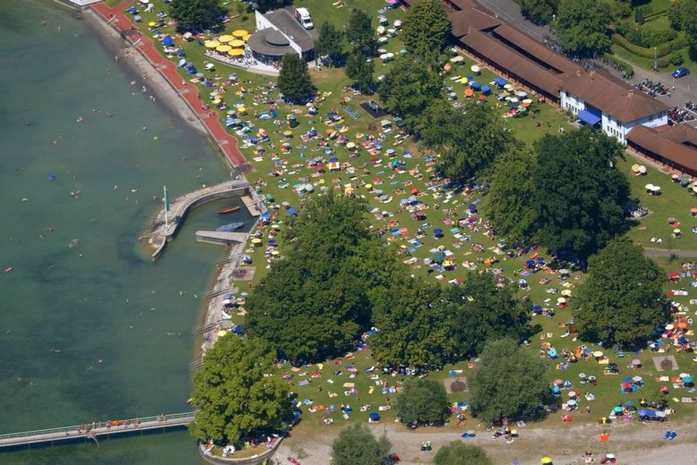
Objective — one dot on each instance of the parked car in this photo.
(681, 72)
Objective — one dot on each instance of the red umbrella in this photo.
(414, 190)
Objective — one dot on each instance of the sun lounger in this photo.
(667, 435)
(673, 435)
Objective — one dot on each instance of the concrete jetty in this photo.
(166, 224)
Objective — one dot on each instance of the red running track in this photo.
(144, 44)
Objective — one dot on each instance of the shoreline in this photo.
(134, 58)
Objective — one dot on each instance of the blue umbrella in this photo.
(168, 41)
(537, 309)
(437, 232)
(374, 416)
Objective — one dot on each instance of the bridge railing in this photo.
(174, 418)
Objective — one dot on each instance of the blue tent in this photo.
(486, 90)
(168, 41)
(292, 212)
(475, 85)
(437, 232)
(537, 309)
(500, 82)
(373, 416)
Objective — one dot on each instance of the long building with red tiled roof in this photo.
(596, 98)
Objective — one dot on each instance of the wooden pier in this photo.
(96, 431)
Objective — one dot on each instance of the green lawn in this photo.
(277, 173)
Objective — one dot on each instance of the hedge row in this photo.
(661, 50)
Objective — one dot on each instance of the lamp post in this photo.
(655, 59)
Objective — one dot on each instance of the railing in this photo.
(96, 429)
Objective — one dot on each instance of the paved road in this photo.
(685, 88)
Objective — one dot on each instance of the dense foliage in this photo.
(579, 192)
(413, 327)
(311, 305)
(426, 28)
(360, 33)
(409, 88)
(361, 70)
(235, 399)
(622, 300)
(330, 44)
(294, 80)
(423, 402)
(475, 137)
(478, 311)
(684, 14)
(510, 383)
(508, 205)
(582, 27)
(539, 11)
(196, 15)
(356, 445)
(459, 453)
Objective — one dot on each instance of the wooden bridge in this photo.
(95, 431)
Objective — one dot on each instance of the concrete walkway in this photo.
(651, 252)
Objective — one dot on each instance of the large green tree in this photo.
(579, 192)
(479, 311)
(423, 402)
(510, 383)
(509, 203)
(356, 445)
(582, 27)
(459, 453)
(234, 397)
(294, 80)
(539, 11)
(409, 88)
(196, 15)
(413, 327)
(360, 70)
(477, 138)
(311, 305)
(360, 33)
(622, 300)
(426, 28)
(268, 5)
(330, 44)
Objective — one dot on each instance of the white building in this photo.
(599, 99)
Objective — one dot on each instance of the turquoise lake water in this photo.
(90, 328)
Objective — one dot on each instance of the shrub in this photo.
(676, 59)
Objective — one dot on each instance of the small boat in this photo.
(231, 227)
(228, 210)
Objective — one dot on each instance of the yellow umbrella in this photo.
(546, 460)
(211, 43)
(222, 333)
(246, 38)
(236, 52)
(464, 80)
(241, 110)
(223, 48)
(226, 38)
(240, 33)
(152, 23)
(237, 43)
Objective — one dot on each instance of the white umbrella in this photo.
(572, 394)
(648, 187)
(475, 68)
(571, 402)
(597, 353)
(561, 300)
(656, 189)
(642, 169)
